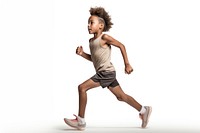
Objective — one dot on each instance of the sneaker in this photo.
(75, 123)
(145, 116)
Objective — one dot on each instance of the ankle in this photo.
(82, 120)
(143, 110)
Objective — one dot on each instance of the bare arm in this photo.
(79, 51)
(109, 40)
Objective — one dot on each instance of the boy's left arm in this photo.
(109, 40)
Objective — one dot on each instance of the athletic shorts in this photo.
(106, 79)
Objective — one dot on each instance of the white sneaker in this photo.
(145, 116)
(75, 123)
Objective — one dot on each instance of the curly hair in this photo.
(102, 14)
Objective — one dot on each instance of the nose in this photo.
(88, 25)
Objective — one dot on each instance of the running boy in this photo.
(100, 48)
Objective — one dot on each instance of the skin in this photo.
(95, 27)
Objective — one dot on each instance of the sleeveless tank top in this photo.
(101, 56)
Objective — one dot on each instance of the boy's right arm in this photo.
(79, 51)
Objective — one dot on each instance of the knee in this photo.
(81, 89)
(123, 98)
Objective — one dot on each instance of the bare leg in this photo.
(82, 88)
(121, 96)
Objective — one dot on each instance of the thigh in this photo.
(117, 91)
(89, 84)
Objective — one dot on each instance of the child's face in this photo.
(94, 25)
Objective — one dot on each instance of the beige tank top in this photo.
(101, 56)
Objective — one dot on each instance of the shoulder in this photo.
(105, 37)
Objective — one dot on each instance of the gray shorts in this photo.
(106, 79)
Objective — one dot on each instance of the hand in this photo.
(128, 69)
(79, 50)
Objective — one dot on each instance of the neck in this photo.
(96, 35)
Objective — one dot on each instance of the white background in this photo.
(40, 72)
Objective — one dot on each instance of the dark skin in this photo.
(95, 27)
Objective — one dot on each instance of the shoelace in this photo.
(75, 120)
(78, 119)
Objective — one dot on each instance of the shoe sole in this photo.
(148, 115)
(72, 125)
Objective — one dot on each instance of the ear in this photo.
(101, 25)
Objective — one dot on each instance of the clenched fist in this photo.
(128, 69)
(79, 50)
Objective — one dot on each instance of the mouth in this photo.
(90, 30)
